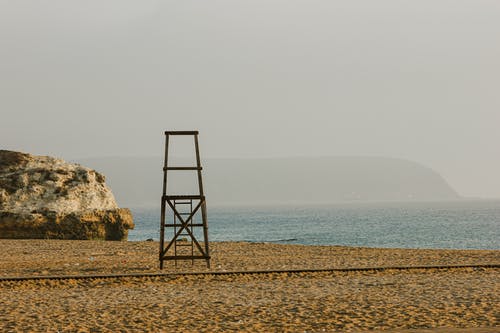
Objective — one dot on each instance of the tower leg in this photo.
(205, 231)
(163, 198)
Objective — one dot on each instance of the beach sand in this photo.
(388, 301)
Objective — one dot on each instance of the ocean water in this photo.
(451, 225)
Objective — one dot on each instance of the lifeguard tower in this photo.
(183, 244)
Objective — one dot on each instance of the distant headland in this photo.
(136, 181)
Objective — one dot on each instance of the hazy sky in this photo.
(411, 79)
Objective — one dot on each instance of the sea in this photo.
(473, 224)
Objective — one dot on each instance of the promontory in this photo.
(46, 197)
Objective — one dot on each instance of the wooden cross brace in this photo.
(184, 226)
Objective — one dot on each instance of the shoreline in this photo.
(290, 242)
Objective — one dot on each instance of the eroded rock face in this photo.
(46, 197)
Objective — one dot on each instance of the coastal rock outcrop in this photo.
(46, 197)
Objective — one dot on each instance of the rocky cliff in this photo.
(46, 197)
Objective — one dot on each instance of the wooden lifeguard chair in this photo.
(183, 245)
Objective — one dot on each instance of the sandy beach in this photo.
(451, 300)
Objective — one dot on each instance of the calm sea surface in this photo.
(454, 225)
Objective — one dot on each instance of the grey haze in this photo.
(416, 80)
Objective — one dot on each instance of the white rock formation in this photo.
(45, 188)
(47, 183)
